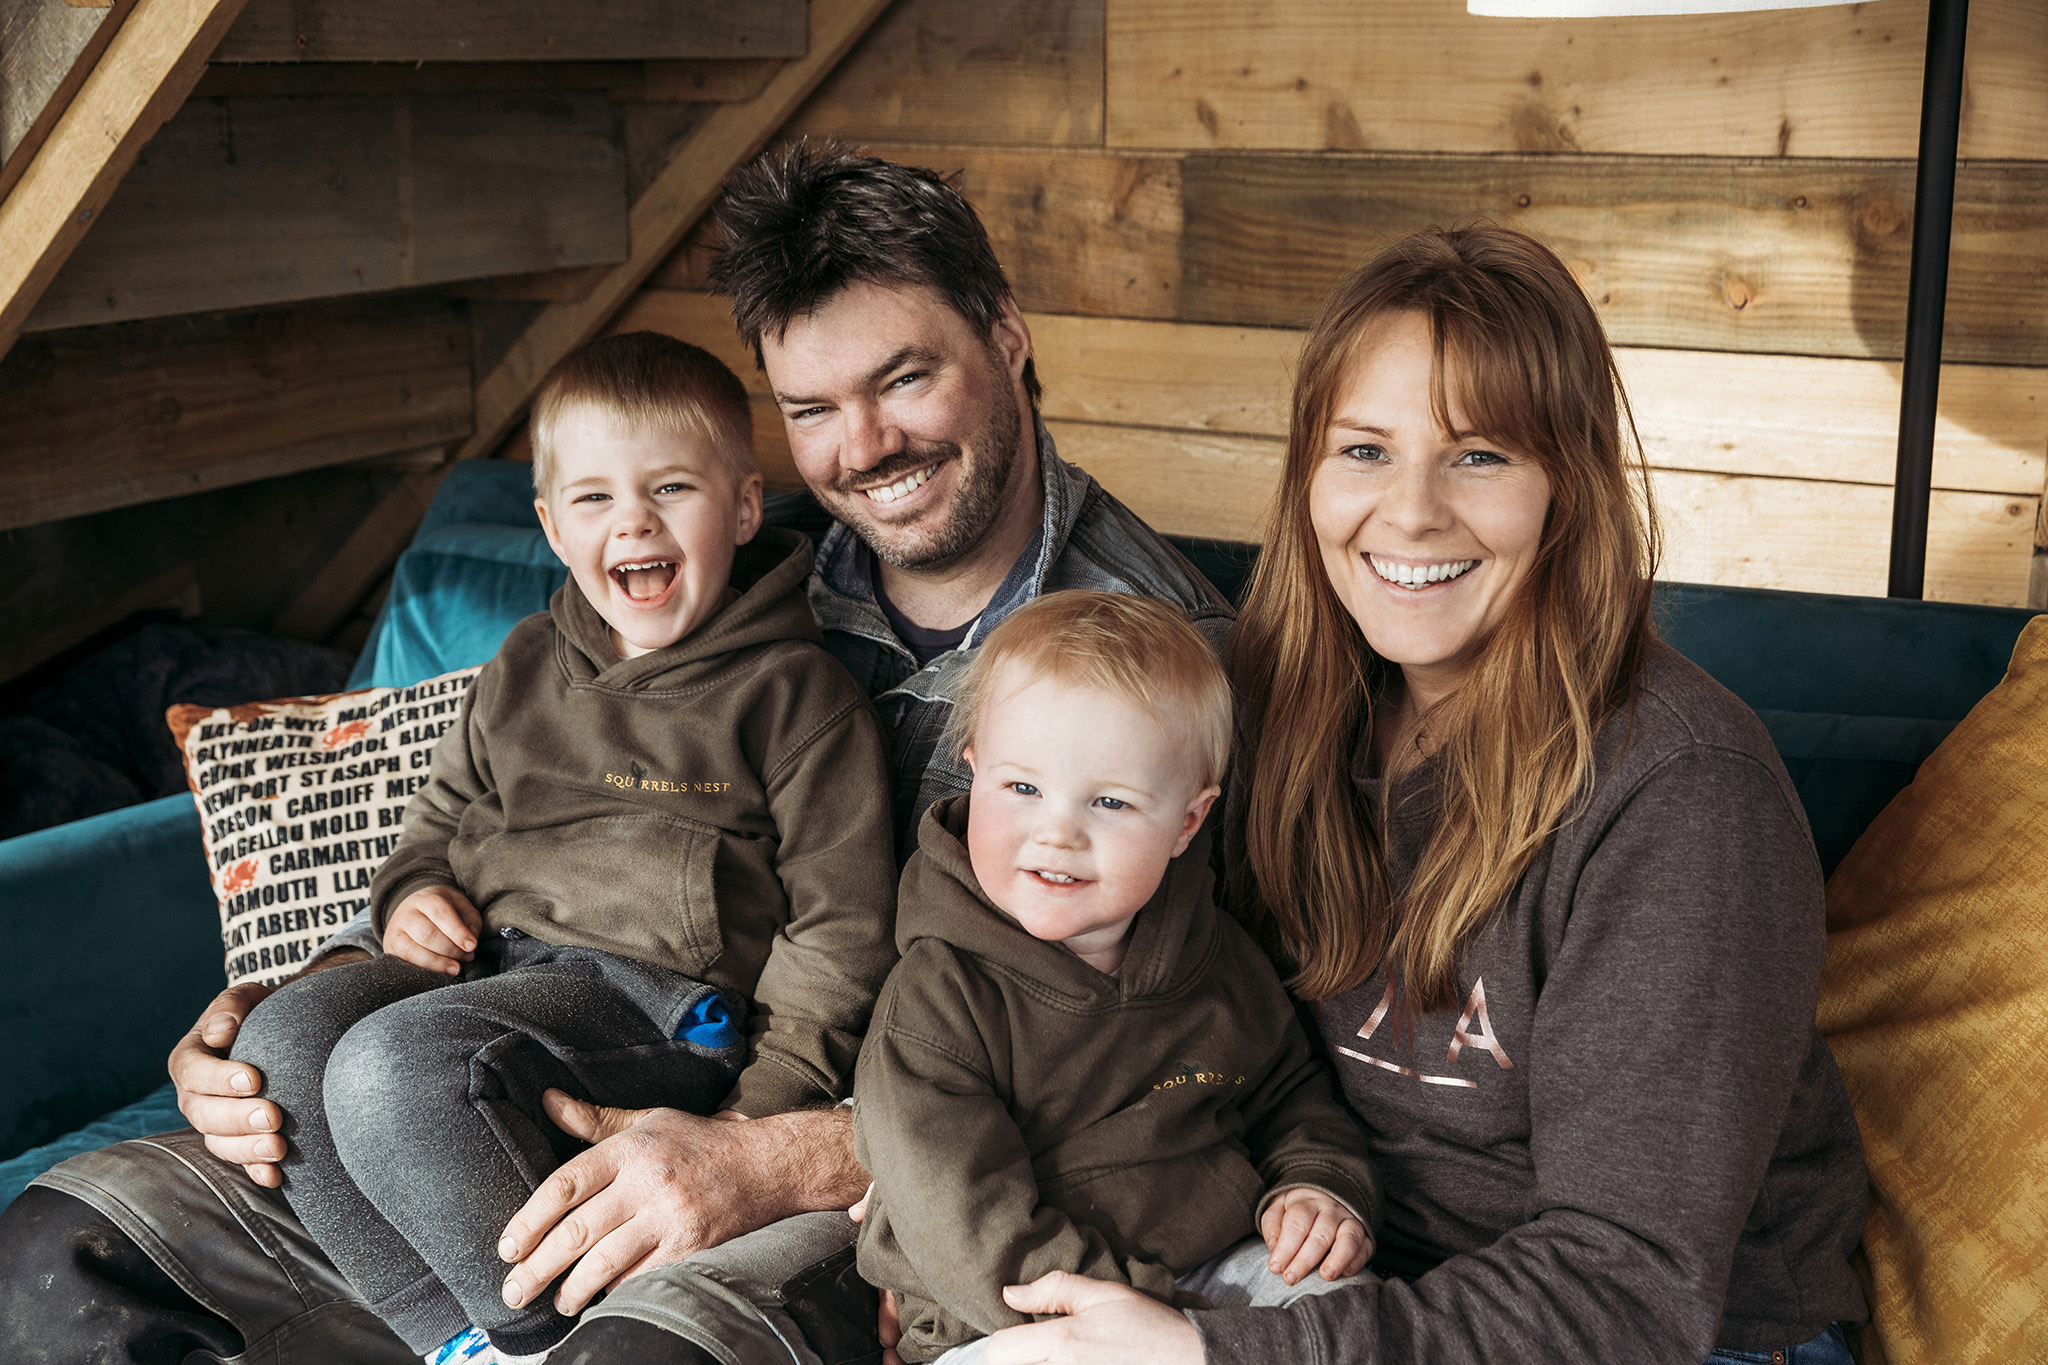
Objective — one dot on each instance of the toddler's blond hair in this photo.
(1133, 647)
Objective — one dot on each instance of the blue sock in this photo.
(465, 1345)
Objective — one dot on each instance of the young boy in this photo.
(662, 810)
(1080, 1064)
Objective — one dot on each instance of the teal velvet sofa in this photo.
(112, 937)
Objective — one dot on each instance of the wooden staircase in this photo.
(246, 238)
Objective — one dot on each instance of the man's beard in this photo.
(978, 493)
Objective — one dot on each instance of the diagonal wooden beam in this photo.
(145, 73)
(665, 211)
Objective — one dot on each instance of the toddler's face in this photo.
(1080, 799)
(647, 522)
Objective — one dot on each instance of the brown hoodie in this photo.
(719, 808)
(1022, 1112)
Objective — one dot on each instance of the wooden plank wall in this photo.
(1173, 184)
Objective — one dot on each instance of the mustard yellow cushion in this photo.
(1935, 998)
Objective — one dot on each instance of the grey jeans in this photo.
(412, 1106)
(242, 1281)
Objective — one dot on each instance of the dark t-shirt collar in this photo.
(926, 645)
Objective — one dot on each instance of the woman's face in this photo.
(1426, 534)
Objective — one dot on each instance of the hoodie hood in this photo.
(1172, 937)
(768, 574)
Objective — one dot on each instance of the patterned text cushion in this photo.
(299, 802)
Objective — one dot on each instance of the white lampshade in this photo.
(1612, 9)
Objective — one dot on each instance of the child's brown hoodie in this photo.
(1022, 1112)
(719, 808)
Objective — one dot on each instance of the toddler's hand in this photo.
(1304, 1227)
(435, 928)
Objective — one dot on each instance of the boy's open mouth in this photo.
(644, 580)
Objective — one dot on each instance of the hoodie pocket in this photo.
(1178, 1212)
(641, 885)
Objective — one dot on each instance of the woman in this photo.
(1545, 884)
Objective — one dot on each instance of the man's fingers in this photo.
(574, 1234)
(593, 1123)
(889, 1321)
(247, 1151)
(616, 1255)
(218, 1030)
(574, 1182)
(219, 1116)
(268, 1176)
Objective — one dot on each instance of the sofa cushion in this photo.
(301, 800)
(1935, 999)
(112, 951)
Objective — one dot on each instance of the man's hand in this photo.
(435, 928)
(1107, 1324)
(218, 1096)
(888, 1319)
(1305, 1227)
(660, 1185)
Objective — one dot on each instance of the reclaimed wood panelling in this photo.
(240, 203)
(113, 416)
(138, 82)
(1802, 534)
(1077, 231)
(1788, 256)
(1780, 416)
(1808, 536)
(512, 30)
(1026, 71)
(1423, 75)
(660, 216)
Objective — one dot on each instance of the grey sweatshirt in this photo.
(1628, 1143)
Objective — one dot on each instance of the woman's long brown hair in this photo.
(1514, 334)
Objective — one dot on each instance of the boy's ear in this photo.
(1198, 811)
(750, 516)
(547, 526)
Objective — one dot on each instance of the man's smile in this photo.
(903, 487)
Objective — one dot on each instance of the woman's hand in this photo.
(1105, 1324)
(1304, 1227)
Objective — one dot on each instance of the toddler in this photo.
(1081, 1064)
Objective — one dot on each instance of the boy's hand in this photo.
(1304, 1227)
(435, 928)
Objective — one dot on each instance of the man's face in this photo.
(903, 419)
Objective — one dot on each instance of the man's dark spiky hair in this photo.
(805, 220)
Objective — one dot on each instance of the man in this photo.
(903, 370)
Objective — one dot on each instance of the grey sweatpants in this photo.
(412, 1109)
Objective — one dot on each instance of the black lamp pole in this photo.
(1934, 201)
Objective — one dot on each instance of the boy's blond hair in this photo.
(652, 382)
(1138, 648)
